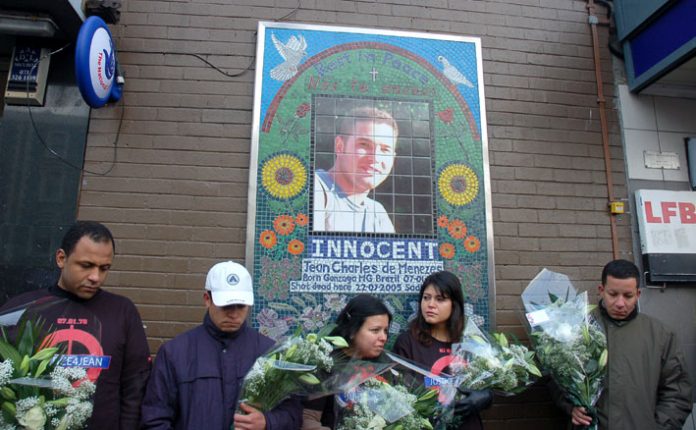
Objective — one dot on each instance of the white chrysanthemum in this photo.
(26, 403)
(86, 389)
(255, 379)
(50, 410)
(71, 373)
(77, 412)
(306, 351)
(6, 369)
(62, 379)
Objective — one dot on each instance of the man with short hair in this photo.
(364, 152)
(197, 376)
(647, 386)
(96, 323)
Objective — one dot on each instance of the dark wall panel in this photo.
(38, 191)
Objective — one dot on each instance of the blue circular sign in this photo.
(95, 63)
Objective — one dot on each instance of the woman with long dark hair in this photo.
(429, 338)
(364, 324)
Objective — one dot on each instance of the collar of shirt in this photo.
(352, 200)
(63, 294)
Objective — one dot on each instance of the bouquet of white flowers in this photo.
(492, 362)
(570, 343)
(37, 392)
(394, 397)
(293, 367)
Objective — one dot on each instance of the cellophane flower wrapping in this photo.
(295, 367)
(37, 392)
(491, 362)
(396, 399)
(570, 343)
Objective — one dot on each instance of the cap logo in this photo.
(232, 279)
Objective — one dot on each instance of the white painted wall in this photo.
(658, 124)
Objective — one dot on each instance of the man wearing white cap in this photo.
(197, 375)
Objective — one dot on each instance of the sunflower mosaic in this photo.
(283, 176)
(458, 184)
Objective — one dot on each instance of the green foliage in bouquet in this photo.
(378, 405)
(36, 392)
(289, 369)
(494, 364)
(580, 364)
(572, 347)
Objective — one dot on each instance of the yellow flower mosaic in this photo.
(283, 176)
(458, 184)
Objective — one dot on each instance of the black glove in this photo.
(473, 402)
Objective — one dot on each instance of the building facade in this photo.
(167, 167)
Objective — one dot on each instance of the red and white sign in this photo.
(667, 221)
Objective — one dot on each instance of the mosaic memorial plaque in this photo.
(369, 171)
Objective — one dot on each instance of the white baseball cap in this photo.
(230, 283)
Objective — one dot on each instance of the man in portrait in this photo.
(364, 154)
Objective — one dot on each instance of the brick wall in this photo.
(176, 198)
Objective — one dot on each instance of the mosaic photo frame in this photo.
(369, 170)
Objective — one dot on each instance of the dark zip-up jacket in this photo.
(197, 378)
